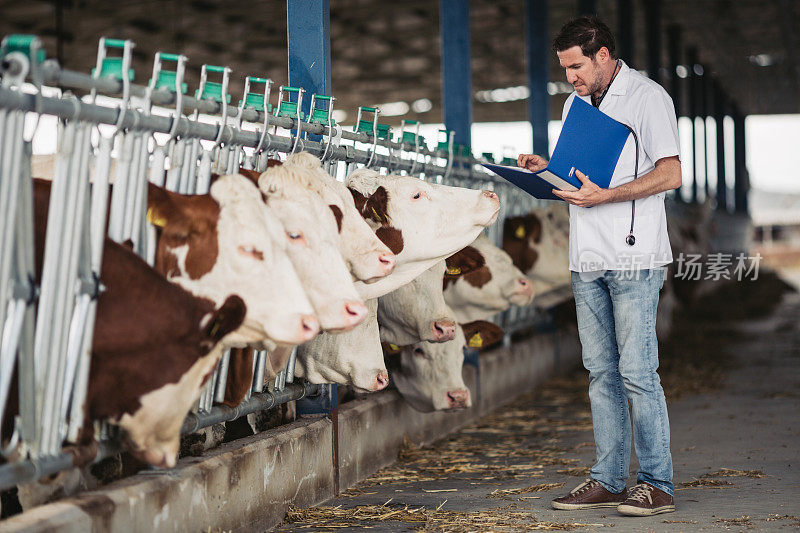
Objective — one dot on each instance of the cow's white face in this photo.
(430, 377)
(354, 358)
(417, 311)
(479, 296)
(366, 256)
(313, 247)
(422, 223)
(240, 249)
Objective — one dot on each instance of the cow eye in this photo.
(417, 195)
(419, 352)
(251, 251)
(294, 235)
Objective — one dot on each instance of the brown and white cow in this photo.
(417, 311)
(429, 375)
(229, 242)
(154, 345)
(538, 244)
(422, 223)
(366, 256)
(493, 288)
(353, 358)
(314, 245)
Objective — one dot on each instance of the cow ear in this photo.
(481, 334)
(250, 174)
(224, 320)
(464, 261)
(391, 349)
(359, 199)
(160, 205)
(376, 206)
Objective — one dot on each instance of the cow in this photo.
(421, 223)
(366, 256)
(417, 311)
(229, 242)
(313, 248)
(493, 288)
(353, 358)
(538, 244)
(154, 345)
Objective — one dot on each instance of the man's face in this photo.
(585, 74)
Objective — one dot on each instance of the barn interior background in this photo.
(731, 67)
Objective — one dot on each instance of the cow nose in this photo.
(458, 399)
(382, 380)
(355, 312)
(526, 287)
(387, 261)
(443, 330)
(309, 326)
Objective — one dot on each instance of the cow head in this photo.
(429, 377)
(417, 311)
(353, 358)
(422, 223)
(538, 244)
(493, 288)
(366, 256)
(228, 242)
(313, 248)
(482, 335)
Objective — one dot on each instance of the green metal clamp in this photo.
(288, 108)
(319, 115)
(29, 45)
(212, 90)
(167, 79)
(113, 67)
(256, 100)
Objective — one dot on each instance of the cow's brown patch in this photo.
(481, 334)
(240, 376)
(464, 261)
(337, 214)
(184, 221)
(517, 233)
(250, 174)
(478, 278)
(359, 199)
(274, 163)
(375, 207)
(391, 237)
(137, 349)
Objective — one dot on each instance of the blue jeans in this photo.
(617, 327)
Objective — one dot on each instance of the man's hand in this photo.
(532, 162)
(587, 196)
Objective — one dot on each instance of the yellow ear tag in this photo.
(519, 233)
(394, 347)
(214, 329)
(377, 216)
(453, 271)
(476, 341)
(155, 219)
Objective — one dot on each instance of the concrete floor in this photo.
(743, 415)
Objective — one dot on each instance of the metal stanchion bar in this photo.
(136, 120)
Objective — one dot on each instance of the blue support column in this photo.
(537, 43)
(675, 83)
(587, 7)
(694, 112)
(309, 46)
(741, 177)
(625, 31)
(456, 68)
(652, 21)
(719, 119)
(309, 36)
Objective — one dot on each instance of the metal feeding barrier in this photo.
(47, 324)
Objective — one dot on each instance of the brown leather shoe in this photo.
(646, 500)
(588, 495)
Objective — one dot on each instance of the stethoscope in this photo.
(630, 240)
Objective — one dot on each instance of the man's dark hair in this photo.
(590, 33)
